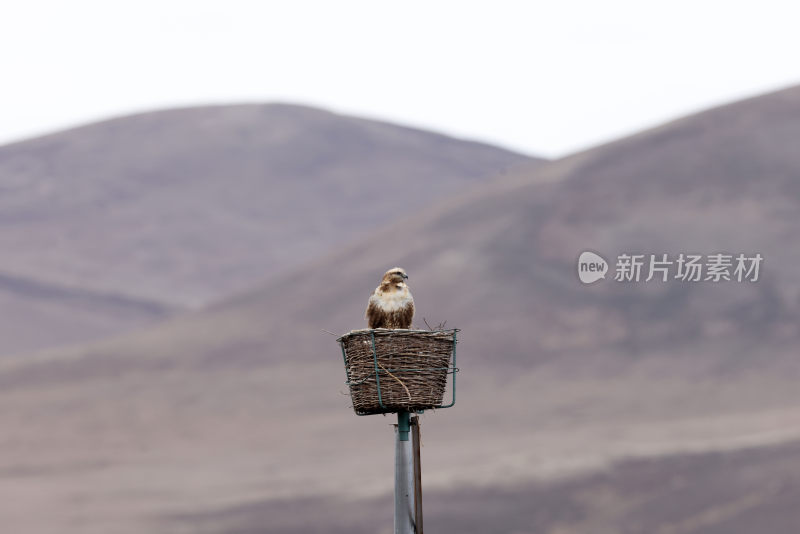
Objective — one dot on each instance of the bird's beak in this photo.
(405, 276)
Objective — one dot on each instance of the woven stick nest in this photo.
(397, 370)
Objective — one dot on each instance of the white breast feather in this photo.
(394, 300)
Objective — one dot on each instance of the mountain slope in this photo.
(177, 208)
(741, 492)
(186, 206)
(241, 403)
(37, 315)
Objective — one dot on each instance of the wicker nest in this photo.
(397, 370)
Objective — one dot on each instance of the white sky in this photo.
(546, 78)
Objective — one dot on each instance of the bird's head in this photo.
(395, 275)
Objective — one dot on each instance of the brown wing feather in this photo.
(405, 316)
(376, 318)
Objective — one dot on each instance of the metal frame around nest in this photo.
(451, 370)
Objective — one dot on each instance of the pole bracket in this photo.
(403, 425)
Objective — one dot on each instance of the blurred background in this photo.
(194, 194)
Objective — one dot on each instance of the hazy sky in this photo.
(541, 77)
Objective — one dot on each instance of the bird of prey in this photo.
(391, 304)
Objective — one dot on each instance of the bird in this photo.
(391, 304)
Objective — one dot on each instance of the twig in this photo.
(398, 380)
(440, 326)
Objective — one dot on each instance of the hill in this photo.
(741, 492)
(240, 403)
(181, 207)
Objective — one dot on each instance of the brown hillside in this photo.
(241, 403)
(177, 208)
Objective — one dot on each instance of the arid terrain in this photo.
(650, 407)
(122, 223)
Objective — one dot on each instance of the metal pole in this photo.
(403, 478)
(417, 474)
